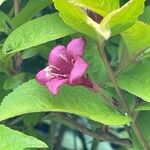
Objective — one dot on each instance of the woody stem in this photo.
(119, 93)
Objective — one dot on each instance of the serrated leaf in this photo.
(32, 97)
(136, 80)
(36, 32)
(29, 11)
(15, 140)
(124, 17)
(137, 37)
(102, 7)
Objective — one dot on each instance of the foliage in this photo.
(116, 108)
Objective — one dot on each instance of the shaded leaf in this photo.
(145, 17)
(144, 124)
(136, 80)
(97, 70)
(5, 22)
(144, 106)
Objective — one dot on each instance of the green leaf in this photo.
(14, 81)
(102, 7)
(112, 24)
(112, 49)
(36, 32)
(5, 22)
(137, 37)
(1, 1)
(97, 70)
(145, 17)
(29, 11)
(14, 140)
(2, 66)
(32, 119)
(124, 17)
(3, 92)
(45, 49)
(77, 18)
(32, 97)
(144, 124)
(143, 106)
(136, 80)
(28, 53)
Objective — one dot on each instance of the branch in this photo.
(112, 76)
(131, 60)
(123, 66)
(98, 136)
(119, 93)
(17, 57)
(107, 99)
(16, 7)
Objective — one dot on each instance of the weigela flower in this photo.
(65, 66)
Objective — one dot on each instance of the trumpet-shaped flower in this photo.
(65, 66)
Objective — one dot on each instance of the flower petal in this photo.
(54, 85)
(76, 48)
(78, 71)
(58, 59)
(89, 84)
(41, 77)
(54, 56)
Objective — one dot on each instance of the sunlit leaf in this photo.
(32, 97)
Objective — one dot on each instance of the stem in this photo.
(52, 134)
(17, 57)
(15, 121)
(112, 76)
(59, 138)
(16, 7)
(75, 140)
(118, 91)
(123, 66)
(98, 136)
(128, 131)
(82, 138)
(94, 145)
(131, 60)
(107, 99)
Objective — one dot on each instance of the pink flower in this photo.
(65, 65)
